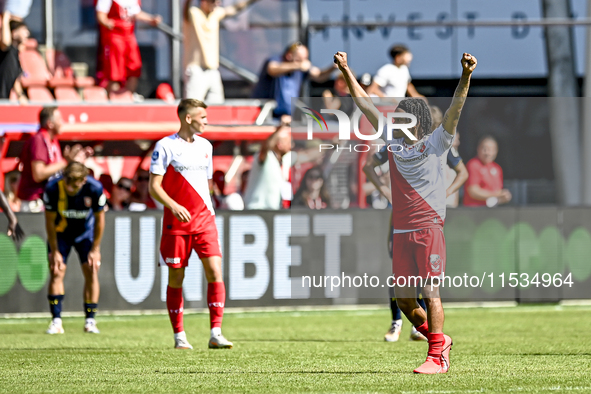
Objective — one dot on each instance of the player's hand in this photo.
(181, 213)
(505, 196)
(56, 262)
(94, 259)
(468, 63)
(340, 59)
(15, 231)
(385, 190)
(156, 19)
(110, 24)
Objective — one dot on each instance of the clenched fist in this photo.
(468, 63)
(340, 59)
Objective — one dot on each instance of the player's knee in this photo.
(176, 277)
(406, 304)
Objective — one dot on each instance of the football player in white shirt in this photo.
(393, 80)
(418, 206)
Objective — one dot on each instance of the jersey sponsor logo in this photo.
(74, 214)
(189, 168)
(87, 202)
(172, 260)
(177, 311)
(216, 304)
(155, 155)
(435, 262)
(404, 160)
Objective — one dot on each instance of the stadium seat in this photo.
(67, 93)
(107, 181)
(84, 82)
(164, 92)
(40, 94)
(95, 94)
(121, 96)
(35, 72)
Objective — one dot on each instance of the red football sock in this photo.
(424, 329)
(435, 345)
(216, 298)
(174, 304)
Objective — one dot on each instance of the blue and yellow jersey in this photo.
(75, 214)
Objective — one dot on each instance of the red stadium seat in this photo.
(40, 94)
(84, 82)
(107, 182)
(95, 94)
(164, 92)
(121, 96)
(35, 72)
(67, 93)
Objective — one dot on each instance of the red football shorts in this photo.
(175, 250)
(418, 253)
(121, 57)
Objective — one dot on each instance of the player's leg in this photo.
(430, 257)
(55, 290)
(133, 64)
(415, 335)
(92, 288)
(114, 62)
(208, 248)
(196, 84)
(396, 326)
(174, 252)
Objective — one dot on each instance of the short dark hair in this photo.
(16, 25)
(75, 171)
(398, 49)
(185, 104)
(46, 115)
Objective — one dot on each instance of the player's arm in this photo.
(14, 229)
(153, 20)
(56, 260)
(412, 91)
(461, 178)
(236, 8)
(370, 173)
(452, 115)
(359, 95)
(6, 40)
(94, 256)
(186, 8)
(160, 195)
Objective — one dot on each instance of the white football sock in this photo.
(216, 331)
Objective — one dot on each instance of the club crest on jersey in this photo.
(435, 262)
(155, 156)
(206, 156)
(87, 202)
(421, 147)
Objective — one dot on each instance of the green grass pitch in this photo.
(522, 349)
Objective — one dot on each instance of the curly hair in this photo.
(420, 109)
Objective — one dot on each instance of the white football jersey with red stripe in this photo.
(418, 181)
(186, 168)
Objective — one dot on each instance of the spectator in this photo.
(221, 200)
(281, 78)
(266, 179)
(14, 229)
(312, 192)
(120, 195)
(121, 61)
(14, 34)
(141, 198)
(393, 80)
(10, 189)
(42, 159)
(19, 9)
(339, 97)
(485, 180)
(201, 28)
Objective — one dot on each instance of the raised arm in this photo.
(6, 40)
(361, 98)
(452, 115)
(236, 8)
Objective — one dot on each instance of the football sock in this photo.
(424, 329)
(174, 304)
(55, 305)
(396, 314)
(216, 331)
(216, 298)
(435, 346)
(90, 309)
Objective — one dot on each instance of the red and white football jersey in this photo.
(418, 181)
(186, 167)
(122, 12)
